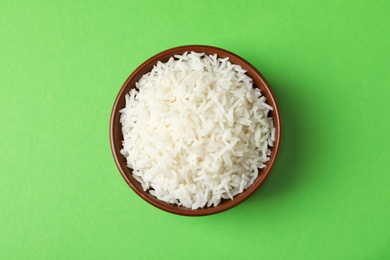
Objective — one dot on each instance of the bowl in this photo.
(116, 136)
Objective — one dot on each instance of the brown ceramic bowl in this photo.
(116, 136)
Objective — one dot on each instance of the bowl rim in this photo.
(238, 199)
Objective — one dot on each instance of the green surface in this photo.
(62, 64)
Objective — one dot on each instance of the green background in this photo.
(62, 64)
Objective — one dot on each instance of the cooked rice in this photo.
(196, 131)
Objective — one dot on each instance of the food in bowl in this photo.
(196, 131)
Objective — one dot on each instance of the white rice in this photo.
(196, 130)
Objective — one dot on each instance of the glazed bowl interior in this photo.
(116, 136)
